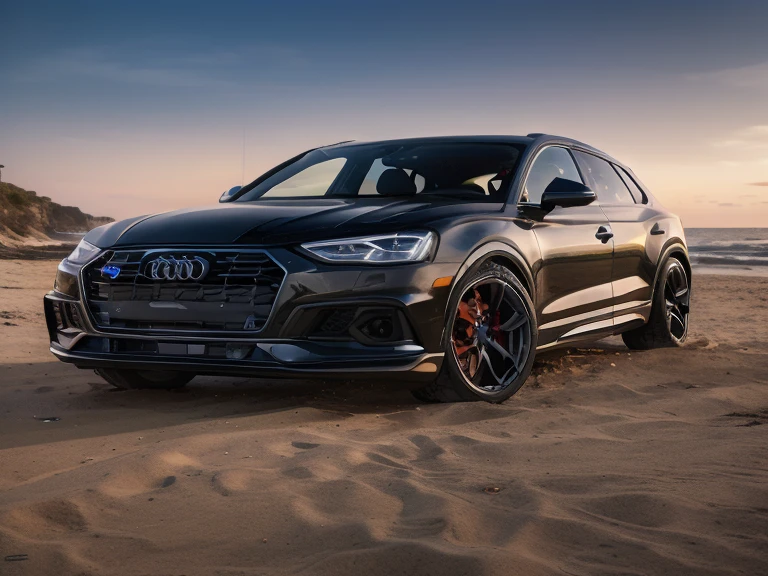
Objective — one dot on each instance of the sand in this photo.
(606, 462)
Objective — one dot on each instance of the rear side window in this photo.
(637, 194)
(553, 162)
(603, 179)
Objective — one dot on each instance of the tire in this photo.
(667, 325)
(144, 379)
(490, 331)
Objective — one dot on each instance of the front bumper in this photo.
(286, 346)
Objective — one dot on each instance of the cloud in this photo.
(88, 63)
(726, 204)
(749, 138)
(213, 69)
(753, 76)
(758, 184)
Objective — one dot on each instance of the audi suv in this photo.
(446, 262)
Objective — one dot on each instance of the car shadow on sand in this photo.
(87, 406)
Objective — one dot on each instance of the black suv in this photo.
(445, 261)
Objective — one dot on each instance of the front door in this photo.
(573, 281)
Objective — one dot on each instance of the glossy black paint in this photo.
(585, 283)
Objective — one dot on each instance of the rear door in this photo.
(632, 275)
(573, 281)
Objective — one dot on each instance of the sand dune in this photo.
(605, 463)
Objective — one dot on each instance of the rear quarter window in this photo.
(634, 189)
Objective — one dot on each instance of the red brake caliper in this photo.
(495, 329)
(469, 311)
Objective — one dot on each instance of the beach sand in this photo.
(606, 462)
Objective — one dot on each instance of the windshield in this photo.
(476, 172)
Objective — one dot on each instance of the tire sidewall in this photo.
(661, 299)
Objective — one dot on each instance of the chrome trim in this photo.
(633, 304)
(577, 318)
(591, 327)
(75, 339)
(627, 318)
(141, 333)
(162, 268)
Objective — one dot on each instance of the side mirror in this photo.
(565, 193)
(229, 194)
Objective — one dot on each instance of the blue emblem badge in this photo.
(110, 271)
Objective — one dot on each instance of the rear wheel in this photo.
(489, 342)
(144, 379)
(668, 323)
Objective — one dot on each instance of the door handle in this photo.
(604, 234)
(657, 230)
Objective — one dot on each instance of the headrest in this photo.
(395, 182)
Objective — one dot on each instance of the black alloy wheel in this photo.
(668, 321)
(676, 300)
(490, 340)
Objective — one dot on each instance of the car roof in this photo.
(490, 139)
(537, 138)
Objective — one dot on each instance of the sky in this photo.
(128, 108)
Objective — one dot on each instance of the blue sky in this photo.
(124, 108)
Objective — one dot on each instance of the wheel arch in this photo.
(674, 250)
(515, 267)
(498, 253)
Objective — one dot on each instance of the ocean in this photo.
(728, 250)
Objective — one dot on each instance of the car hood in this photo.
(270, 222)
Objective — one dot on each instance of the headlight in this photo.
(83, 253)
(384, 249)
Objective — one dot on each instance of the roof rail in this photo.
(336, 143)
(534, 134)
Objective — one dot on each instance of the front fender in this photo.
(521, 260)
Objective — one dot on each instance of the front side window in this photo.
(470, 171)
(552, 162)
(603, 179)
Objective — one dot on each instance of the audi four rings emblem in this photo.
(171, 268)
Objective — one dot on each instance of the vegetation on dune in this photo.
(24, 213)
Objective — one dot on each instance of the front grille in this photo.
(235, 293)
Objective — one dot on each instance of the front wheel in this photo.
(668, 322)
(144, 379)
(489, 341)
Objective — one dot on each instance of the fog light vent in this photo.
(379, 328)
(58, 315)
(74, 316)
